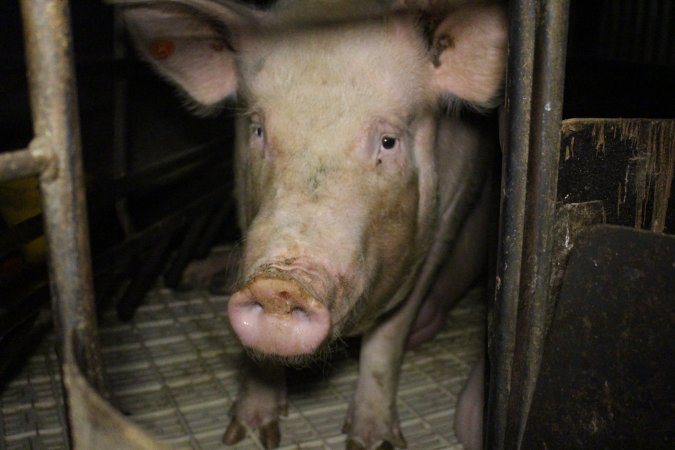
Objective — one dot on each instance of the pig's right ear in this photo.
(192, 43)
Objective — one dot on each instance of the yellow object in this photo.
(20, 200)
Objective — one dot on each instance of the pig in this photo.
(363, 203)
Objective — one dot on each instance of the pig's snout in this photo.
(275, 316)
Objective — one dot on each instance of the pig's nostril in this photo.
(298, 311)
(273, 307)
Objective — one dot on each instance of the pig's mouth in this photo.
(308, 360)
(282, 315)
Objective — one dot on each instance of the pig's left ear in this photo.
(468, 54)
(191, 42)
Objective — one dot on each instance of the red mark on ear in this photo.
(162, 48)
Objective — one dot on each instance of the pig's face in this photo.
(336, 158)
(335, 155)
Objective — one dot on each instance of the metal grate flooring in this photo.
(173, 370)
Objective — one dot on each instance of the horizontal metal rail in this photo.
(23, 163)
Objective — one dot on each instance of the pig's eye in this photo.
(257, 135)
(257, 131)
(388, 142)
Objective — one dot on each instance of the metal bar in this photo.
(215, 225)
(120, 126)
(144, 240)
(51, 79)
(144, 279)
(22, 163)
(534, 102)
(186, 250)
(502, 333)
(535, 300)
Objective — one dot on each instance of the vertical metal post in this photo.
(538, 36)
(502, 333)
(51, 79)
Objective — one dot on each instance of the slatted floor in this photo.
(173, 370)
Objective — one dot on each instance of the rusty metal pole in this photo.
(55, 155)
(537, 49)
(56, 145)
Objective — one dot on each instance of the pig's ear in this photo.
(468, 54)
(192, 43)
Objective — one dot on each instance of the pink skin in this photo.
(469, 412)
(344, 162)
(429, 321)
(277, 316)
(466, 261)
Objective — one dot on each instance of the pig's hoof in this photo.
(353, 445)
(270, 436)
(235, 432)
(372, 440)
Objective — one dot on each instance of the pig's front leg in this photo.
(372, 419)
(260, 403)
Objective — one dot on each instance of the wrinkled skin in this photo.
(355, 191)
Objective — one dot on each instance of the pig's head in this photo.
(336, 145)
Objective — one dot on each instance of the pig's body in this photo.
(364, 208)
